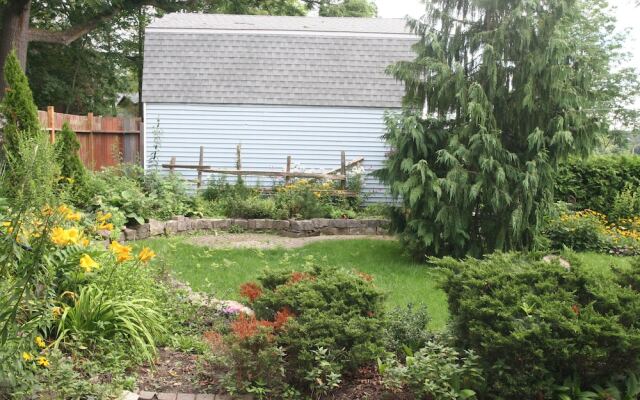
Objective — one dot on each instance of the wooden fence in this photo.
(336, 174)
(104, 141)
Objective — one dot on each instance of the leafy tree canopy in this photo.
(498, 95)
(349, 8)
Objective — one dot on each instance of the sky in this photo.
(627, 13)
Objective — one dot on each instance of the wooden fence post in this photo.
(200, 167)
(287, 178)
(239, 162)
(343, 169)
(51, 122)
(91, 144)
(171, 164)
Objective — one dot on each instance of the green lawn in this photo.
(222, 271)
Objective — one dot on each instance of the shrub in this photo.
(581, 231)
(252, 207)
(534, 323)
(406, 329)
(595, 183)
(626, 204)
(303, 199)
(67, 147)
(436, 371)
(17, 107)
(328, 308)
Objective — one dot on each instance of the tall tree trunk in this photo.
(15, 34)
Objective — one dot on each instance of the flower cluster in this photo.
(250, 290)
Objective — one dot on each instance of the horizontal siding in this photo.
(312, 136)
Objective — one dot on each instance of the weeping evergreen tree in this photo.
(500, 92)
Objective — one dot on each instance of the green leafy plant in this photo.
(436, 371)
(325, 376)
(406, 329)
(534, 323)
(94, 315)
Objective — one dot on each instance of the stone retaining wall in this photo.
(293, 228)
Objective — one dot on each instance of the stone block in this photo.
(262, 224)
(371, 223)
(171, 227)
(156, 227)
(144, 395)
(143, 231)
(370, 230)
(203, 224)
(251, 224)
(356, 231)
(178, 217)
(220, 223)
(280, 225)
(127, 395)
(340, 223)
(203, 396)
(186, 396)
(354, 223)
(129, 234)
(381, 230)
(183, 225)
(329, 230)
(321, 222)
(240, 223)
(167, 396)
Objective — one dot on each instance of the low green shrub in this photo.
(252, 207)
(436, 371)
(304, 199)
(534, 323)
(324, 308)
(406, 329)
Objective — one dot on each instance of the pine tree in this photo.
(498, 95)
(17, 107)
(67, 147)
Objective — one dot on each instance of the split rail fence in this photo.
(104, 141)
(337, 174)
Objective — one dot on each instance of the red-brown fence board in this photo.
(104, 141)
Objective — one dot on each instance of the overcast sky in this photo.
(627, 13)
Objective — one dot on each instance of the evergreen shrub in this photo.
(329, 308)
(534, 324)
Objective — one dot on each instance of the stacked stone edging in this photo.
(291, 227)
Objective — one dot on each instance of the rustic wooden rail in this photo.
(287, 174)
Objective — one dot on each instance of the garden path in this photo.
(265, 241)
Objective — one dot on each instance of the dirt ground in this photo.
(267, 241)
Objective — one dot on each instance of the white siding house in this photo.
(299, 86)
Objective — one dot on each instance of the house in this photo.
(308, 87)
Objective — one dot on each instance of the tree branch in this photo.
(72, 34)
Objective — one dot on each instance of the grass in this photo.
(221, 272)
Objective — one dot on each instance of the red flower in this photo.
(576, 309)
(251, 291)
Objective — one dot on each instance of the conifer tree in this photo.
(67, 147)
(17, 107)
(498, 94)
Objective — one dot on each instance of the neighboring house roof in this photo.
(241, 59)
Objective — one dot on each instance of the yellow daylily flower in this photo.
(42, 361)
(88, 264)
(73, 216)
(40, 342)
(123, 253)
(146, 254)
(27, 356)
(57, 312)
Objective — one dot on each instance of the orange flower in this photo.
(282, 317)
(300, 276)
(146, 254)
(248, 326)
(123, 253)
(250, 290)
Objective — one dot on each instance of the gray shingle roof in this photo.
(229, 59)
